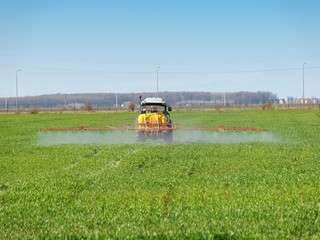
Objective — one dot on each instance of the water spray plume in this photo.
(128, 137)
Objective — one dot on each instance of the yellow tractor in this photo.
(154, 121)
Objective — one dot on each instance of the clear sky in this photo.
(78, 46)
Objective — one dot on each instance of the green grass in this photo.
(200, 190)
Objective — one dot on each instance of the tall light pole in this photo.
(303, 82)
(158, 81)
(17, 101)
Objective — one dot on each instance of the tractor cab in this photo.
(156, 105)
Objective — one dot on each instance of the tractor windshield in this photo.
(153, 108)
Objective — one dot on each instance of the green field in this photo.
(211, 190)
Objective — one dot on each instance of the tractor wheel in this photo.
(140, 136)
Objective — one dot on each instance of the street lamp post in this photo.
(17, 97)
(303, 82)
(158, 81)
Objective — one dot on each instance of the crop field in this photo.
(209, 185)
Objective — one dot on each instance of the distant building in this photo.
(312, 100)
(315, 100)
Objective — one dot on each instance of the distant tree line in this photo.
(112, 100)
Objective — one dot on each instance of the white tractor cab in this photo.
(152, 105)
(154, 121)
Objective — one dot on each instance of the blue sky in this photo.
(117, 46)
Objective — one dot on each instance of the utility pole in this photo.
(158, 81)
(116, 100)
(17, 95)
(303, 83)
(6, 103)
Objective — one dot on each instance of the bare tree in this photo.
(132, 106)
